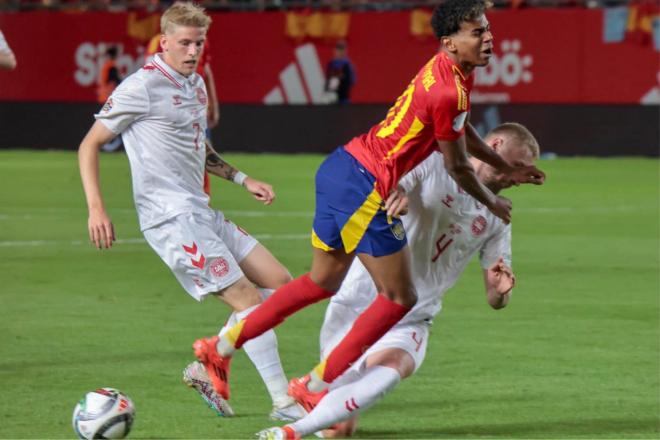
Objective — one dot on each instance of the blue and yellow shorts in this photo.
(349, 211)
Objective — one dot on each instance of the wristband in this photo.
(239, 178)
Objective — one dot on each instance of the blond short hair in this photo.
(184, 14)
(520, 134)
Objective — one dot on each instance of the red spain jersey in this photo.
(434, 106)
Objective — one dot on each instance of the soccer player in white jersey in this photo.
(445, 228)
(160, 111)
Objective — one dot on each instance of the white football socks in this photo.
(263, 353)
(348, 400)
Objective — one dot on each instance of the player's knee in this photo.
(282, 278)
(397, 359)
(401, 292)
(406, 296)
(410, 298)
(241, 295)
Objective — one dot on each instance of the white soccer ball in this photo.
(105, 413)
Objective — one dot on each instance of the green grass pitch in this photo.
(575, 355)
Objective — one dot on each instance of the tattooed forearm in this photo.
(215, 165)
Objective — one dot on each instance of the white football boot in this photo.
(288, 411)
(195, 376)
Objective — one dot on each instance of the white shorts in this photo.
(339, 318)
(202, 250)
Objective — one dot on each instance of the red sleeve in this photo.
(449, 113)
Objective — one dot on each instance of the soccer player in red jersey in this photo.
(357, 202)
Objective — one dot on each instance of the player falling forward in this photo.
(160, 111)
(445, 227)
(356, 197)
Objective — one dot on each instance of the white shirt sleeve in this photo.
(128, 103)
(497, 246)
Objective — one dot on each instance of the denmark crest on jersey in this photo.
(219, 267)
(479, 225)
(107, 106)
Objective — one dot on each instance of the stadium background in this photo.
(575, 356)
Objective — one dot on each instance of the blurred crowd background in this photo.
(583, 75)
(261, 5)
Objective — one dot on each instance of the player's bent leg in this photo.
(263, 353)
(395, 358)
(329, 267)
(242, 296)
(287, 300)
(215, 352)
(348, 400)
(391, 274)
(263, 269)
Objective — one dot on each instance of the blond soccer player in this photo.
(160, 112)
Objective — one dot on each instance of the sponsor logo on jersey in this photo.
(197, 258)
(479, 225)
(219, 267)
(176, 100)
(201, 95)
(107, 106)
(459, 122)
(398, 231)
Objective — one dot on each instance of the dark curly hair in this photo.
(448, 15)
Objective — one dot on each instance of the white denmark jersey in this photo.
(161, 116)
(445, 228)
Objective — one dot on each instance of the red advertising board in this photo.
(542, 56)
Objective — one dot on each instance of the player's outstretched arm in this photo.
(99, 225)
(217, 166)
(460, 169)
(499, 281)
(482, 151)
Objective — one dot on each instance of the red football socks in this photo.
(285, 301)
(368, 328)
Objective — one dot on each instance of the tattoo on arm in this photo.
(215, 165)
